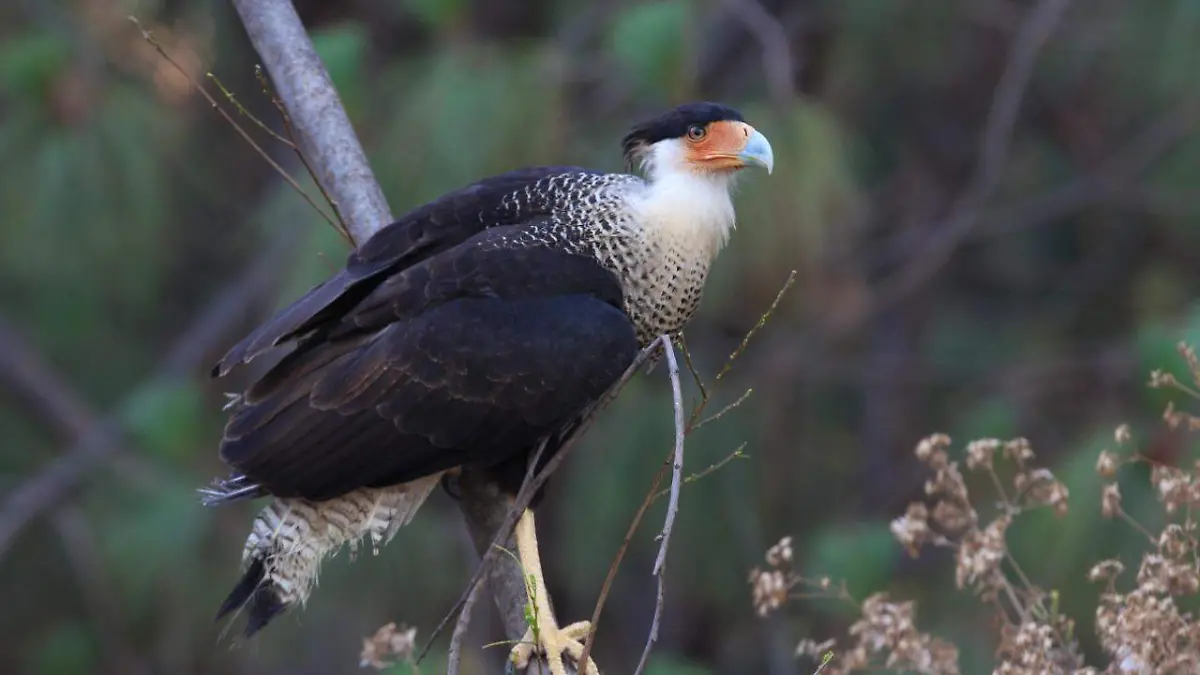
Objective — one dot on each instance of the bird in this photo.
(469, 332)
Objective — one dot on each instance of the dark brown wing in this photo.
(470, 356)
(419, 234)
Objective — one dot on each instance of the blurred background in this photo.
(989, 205)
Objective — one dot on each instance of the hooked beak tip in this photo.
(757, 152)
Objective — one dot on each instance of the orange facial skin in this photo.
(717, 148)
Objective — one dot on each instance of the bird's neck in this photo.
(689, 209)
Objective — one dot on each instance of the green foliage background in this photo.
(127, 206)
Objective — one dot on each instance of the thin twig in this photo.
(738, 453)
(290, 129)
(323, 128)
(229, 96)
(687, 360)
(460, 630)
(721, 413)
(660, 562)
(149, 37)
(762, 321)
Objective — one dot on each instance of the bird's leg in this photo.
(544, 635)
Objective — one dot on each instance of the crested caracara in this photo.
(464, 334)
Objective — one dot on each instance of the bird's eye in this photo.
(696, 132)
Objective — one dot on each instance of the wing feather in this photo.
(560, 354)
(420, 234)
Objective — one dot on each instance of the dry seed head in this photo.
(1160, 379)
(1189, 355)
(769, 589)
(1178, 418)
(1162, 575)
(912, 529)
(981, 452)
(1174, 542)
(948, 482)
(1106, 570)
(932, 450)
(890, 628)
(1029, 649)
(953, 517)
(979, 556)
(815, 650)
(1107, 464)
(1144, 632)
(780, 554)
(1175, 487)
(388, 645)
(1110, 500)
(1042, 489)
(1122, 434)
(1018, 450)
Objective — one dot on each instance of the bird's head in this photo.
(698, 138)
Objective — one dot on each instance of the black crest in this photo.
(674, 124)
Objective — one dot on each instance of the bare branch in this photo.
(149, 37)
(660, 562)
(315, 110)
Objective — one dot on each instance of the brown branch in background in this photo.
(777, 56)
(660, 562)
(314, 108)
(198, 340)
(149, 37)
(25, 373)
(994, 145)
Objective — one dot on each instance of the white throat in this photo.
(688, 207)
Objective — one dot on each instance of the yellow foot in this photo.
(552, 642)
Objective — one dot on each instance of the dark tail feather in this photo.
(253, 592)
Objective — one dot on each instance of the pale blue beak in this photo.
(758, 152)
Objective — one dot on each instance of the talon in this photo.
(552, 642)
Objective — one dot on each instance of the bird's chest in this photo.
(663, 297)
